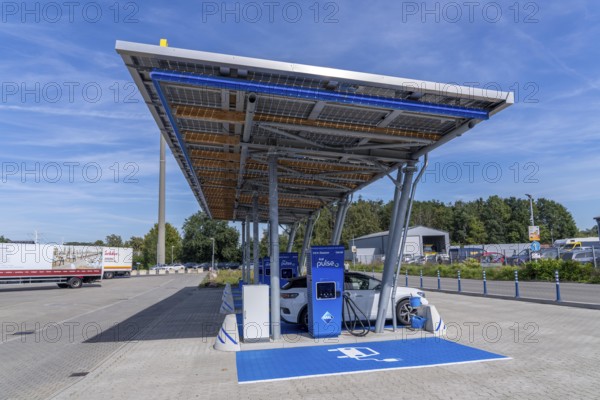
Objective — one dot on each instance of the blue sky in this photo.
(79, 148)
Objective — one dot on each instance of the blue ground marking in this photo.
(303, 362)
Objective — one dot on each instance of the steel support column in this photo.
(310, 224)
(392, 228)
(397, 193)
(244, 255)
(405, 234)
(340, 218)
(391, 254)
(255, 235)
(291, 237)
(247, 260)
(160, 246)
(274, 245)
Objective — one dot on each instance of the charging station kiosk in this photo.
(261, 271)
(266, 266)
(288, 267)
(325, 286)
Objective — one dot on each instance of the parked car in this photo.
(191, 265)
(550, 253)
(422, 260)
(443, 258)
(419, 260)
(461, 254)
(522, 257)
(408, 259)
(582, 256)
(491, 258)
(232, 265)
(363, 289)
(227, 265)
(205, 266)
(173, 267)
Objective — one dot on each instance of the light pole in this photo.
(212, 267)
(530, 208)
(172, 255)
(353, 255)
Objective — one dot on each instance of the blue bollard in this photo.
(516, 284)
(484, 284)
(406, 278)
(421, 280)
(459, 289)
(557, 285)
(439, 282)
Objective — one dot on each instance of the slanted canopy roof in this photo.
(334, 131)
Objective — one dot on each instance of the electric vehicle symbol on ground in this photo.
(362, 354)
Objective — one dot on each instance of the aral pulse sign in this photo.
(325, 288)
(288, 267)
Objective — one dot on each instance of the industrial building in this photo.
(420, 240)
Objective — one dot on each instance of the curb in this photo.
(521, 299)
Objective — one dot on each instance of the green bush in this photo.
(595, 277)
(539, 270)
(505, 273)
(573, 271)
(222, 278)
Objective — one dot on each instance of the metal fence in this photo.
(555, 291)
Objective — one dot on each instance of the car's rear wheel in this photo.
(404, 312)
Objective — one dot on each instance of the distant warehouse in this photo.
(420, 240)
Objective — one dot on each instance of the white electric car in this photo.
(362, 289)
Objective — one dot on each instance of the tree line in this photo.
(493, 220)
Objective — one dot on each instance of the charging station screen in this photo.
(325, 290)
(266, 278)
(288, 267)
(286, 273)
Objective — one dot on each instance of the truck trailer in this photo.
(67, 266)
(116, 261)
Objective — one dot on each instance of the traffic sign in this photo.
(535, 246)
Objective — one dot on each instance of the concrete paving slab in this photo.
(170, 355)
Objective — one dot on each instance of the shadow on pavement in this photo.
(189, 313)
(41, 286)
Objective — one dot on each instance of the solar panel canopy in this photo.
(333, 131)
